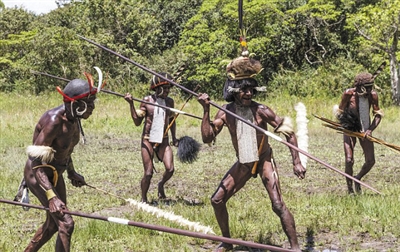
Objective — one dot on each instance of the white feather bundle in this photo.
(194, 226)
(302, 131)
(44, 153)
(336, 111)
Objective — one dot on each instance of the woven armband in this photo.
(285, 127)
(50, 194)
(378, 112)
(140, 113)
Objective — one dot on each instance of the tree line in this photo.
(307, 48)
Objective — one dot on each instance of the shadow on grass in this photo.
(171, 202)
(310, 239)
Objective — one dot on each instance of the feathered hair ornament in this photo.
(241, 71)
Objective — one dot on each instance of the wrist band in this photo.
(50, 194)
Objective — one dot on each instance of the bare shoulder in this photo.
(148, 98)
(261, 108)
(374, 93)
(349, 91)
(53, 116)
(169, 101)
(51, 121)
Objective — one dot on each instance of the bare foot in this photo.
(357, 186)
(224, 247)
(161, 193)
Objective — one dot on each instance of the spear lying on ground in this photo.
(339, 128)
(273, 136)
(156, 227)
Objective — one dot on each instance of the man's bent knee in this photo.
(370, 163)
(278, 207)
(147, 177)
(349, 161)
(216, 202)
(67, 226)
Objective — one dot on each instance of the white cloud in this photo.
(37, 6)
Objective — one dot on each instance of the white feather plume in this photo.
(302, 131)
(194, 226)
(44, 153)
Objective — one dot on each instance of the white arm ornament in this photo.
(378, 112)
(44, 153)
(140, 113)
(285, 127)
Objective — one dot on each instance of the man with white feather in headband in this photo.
(56, 134)
(255, 155)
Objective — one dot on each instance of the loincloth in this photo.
(147, 137)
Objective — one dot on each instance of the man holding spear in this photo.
(154, 139)
(354, 114)
(253, 151)
(54, 139)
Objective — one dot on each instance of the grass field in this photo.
(327, 218)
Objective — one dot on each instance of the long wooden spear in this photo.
(339, 128)
(273, 136)
(154, 104)
(121, 95)
(157, 227)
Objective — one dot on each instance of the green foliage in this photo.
(329, 80)
(132, 28)
(298, 38)
(15, 21)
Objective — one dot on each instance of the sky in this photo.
(37, 6)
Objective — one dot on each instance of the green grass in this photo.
(326, 217)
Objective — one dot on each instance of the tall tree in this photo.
(377, 25)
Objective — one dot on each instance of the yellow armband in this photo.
(50, 194)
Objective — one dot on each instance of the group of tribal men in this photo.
(59, 130)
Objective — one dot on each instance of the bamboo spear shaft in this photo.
(121, 95)
(154, 104)
(273, 136)
(156, 227)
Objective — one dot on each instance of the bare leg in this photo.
(232, 182)
(42, 235)
(269, 177)
(147, 159)
(54, 221)
(65, 230)
(369, 155)
(168, 160)
(349, 144)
